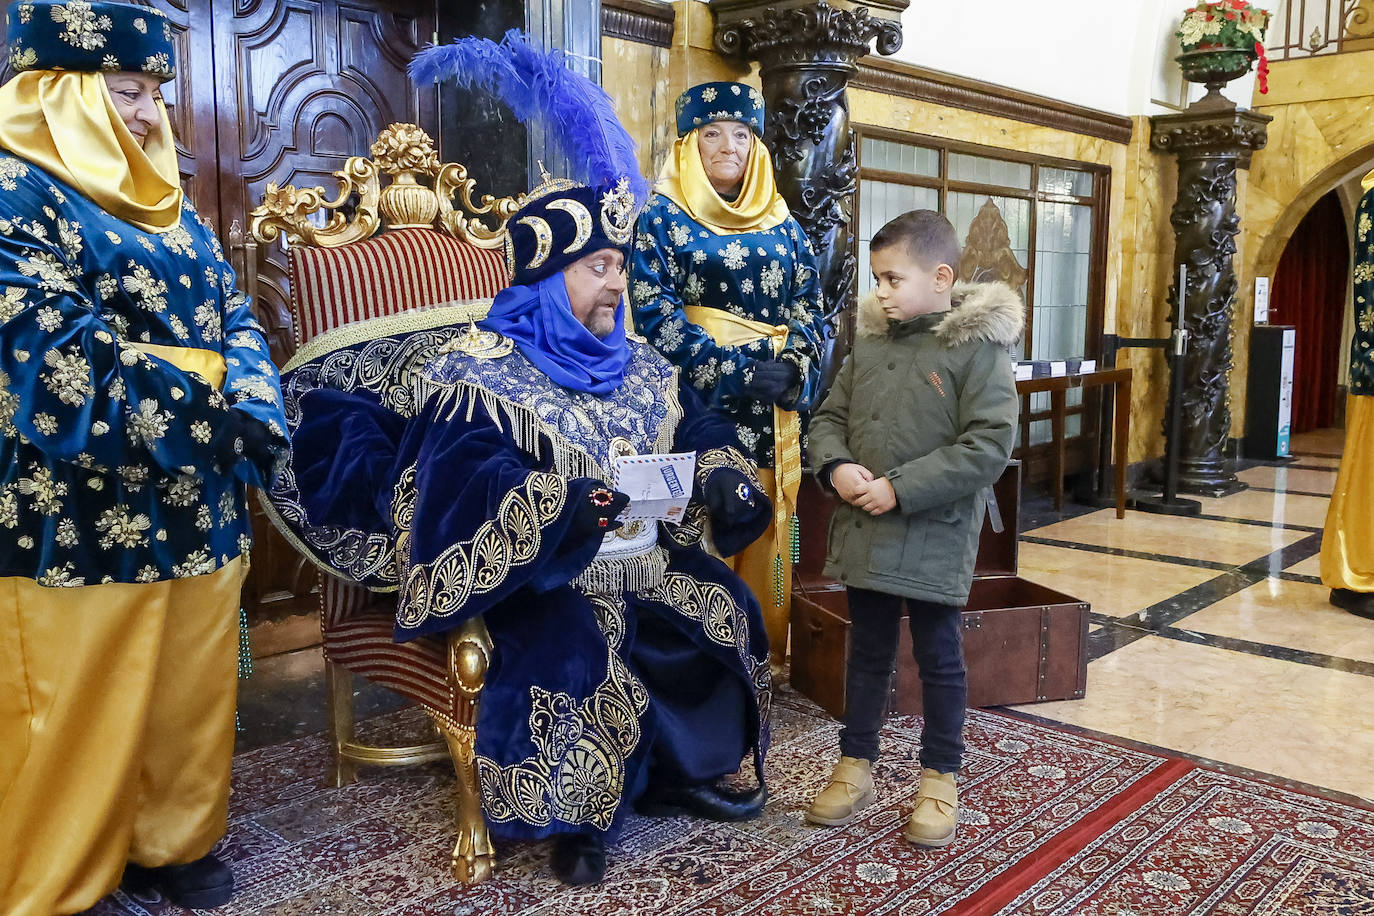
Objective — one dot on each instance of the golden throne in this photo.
(371, 252)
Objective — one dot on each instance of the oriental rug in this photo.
(1052, 822)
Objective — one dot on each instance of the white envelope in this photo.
(659, 486)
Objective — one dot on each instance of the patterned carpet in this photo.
(1052, 823)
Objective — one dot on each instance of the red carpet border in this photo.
(1052, 823)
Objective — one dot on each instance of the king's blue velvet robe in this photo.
(455, 480)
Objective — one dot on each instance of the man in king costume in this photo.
(630, 665)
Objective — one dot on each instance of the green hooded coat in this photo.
(931, 404)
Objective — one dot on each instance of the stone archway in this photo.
(1314, 145)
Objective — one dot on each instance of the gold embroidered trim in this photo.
(728, 457)
(423, 318)
(476, 566)
(526, 428)
(577, 773)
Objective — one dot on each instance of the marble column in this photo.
(807, 51)
(1211, 142)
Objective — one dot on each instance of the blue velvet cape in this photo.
(397, 482)
(106, 453)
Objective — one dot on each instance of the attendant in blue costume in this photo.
(630, 666)
(136, 401)
(724, 284)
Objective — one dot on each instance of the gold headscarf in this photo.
(65, 123)
(684, 182)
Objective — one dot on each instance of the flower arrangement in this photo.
(1227, 25)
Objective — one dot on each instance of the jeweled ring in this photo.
(601, 497)
(742, 491)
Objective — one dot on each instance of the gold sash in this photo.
(208, 364)
(733, 331)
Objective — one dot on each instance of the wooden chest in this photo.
(1023, 642)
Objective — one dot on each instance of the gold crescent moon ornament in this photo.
(618, 213)
(543, 238)
(581, 215)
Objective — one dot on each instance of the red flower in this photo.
(1262, 72)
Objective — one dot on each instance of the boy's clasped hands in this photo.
(858, 487)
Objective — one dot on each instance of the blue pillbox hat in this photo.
(720, 101)
(89, 37)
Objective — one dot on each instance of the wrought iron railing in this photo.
(1305, 28)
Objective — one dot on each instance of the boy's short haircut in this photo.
(926, 235)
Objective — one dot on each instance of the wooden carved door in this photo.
(301, 85)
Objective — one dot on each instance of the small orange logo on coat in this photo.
(935, 380)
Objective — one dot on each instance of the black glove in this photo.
(244, 437)
(773, 380)
(730, 497)
(598, 510)
(740, 512)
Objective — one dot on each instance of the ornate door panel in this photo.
(301, 85)
(190, 99)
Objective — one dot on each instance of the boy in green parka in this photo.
(920, 422)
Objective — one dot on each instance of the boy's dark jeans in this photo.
(936, 632)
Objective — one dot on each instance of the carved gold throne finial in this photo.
(420, 194)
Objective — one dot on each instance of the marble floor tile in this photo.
(1276, 508)
(1296, 721)
(1112, 585)
(1312, 566)
(1318, 461)
(1294, 615)
(1171, 536)
(1300, 479)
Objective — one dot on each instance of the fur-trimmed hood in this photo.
(982, 311)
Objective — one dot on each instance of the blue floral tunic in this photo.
(767, 276)
(1362, 344)
(106, 453)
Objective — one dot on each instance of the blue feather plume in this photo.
(537, 86)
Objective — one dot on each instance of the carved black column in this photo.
(1211, 143)
(807, 51)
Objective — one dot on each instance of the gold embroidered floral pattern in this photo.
(83, 27)
(577, 773)
(477, 566)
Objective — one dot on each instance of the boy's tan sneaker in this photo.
(937, 811)
(850, 791)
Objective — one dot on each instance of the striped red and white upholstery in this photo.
(390, 273)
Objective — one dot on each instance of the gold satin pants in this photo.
(116, 732)
(754, 564)
(1348, 539)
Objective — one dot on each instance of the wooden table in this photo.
(1119, 403)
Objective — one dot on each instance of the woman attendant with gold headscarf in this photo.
(136, 401)
(724, 284)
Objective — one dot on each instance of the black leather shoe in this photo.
(579, 858)
(200, 885)
(702, 800)
(1360, 603)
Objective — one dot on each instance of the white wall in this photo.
(1060, 49)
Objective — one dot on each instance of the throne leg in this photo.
(473, 853)
(469, 653)
(338, 685)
